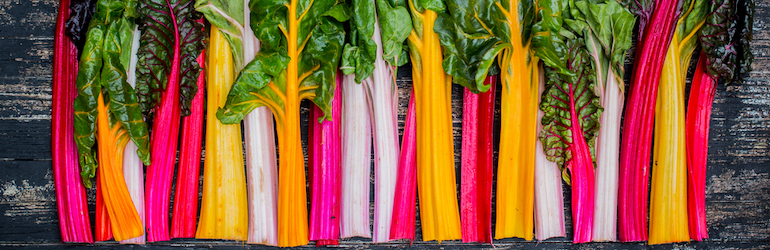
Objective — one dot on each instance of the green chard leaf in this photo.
(465, 37)
(570, 100)
(726, 38)
(607, 39)
(395, 26)
(101, 67)
(226, 15)
(360, 52)
(318, 43)
(156, 51)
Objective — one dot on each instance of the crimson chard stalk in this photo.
(461, 60)
(726, 56)
(171, 42)
(325, 158)
(657, 22)
(74, 224)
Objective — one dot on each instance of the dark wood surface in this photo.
(738, 178)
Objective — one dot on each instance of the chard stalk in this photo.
(382, 93)
(324, 159)
(133, 169)
(549, 200)
(657, 22)
(224, 207)
(356, 163)
(701, 99)
(261, 161)
(74, 224)
(477, 163)
(439, 214)
(402, 226)
(103, 228)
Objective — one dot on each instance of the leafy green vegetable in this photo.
(395, 27)
(465, 37)
(360, 51)
(100, 66)
(227, 15)
(319, 39)
(607, 39)
(566, 93)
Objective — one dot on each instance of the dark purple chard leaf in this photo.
(81, 12)
(726, 37)
(157, 49)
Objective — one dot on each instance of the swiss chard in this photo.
(607, 40)
(172, 40)
(325, 158)
(725, 56)
(224, 207)
(74, 224)
(463, 37)
(439, 215)
(668, 198)
(657, 20)
(571, 123)
(358, 64)
(514, 36)
(301, 47)
(110, 115)
(402, 225)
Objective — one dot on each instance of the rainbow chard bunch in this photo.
(726, 57)
(168, 70)
(462, 41)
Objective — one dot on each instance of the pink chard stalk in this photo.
(172, 40)
(402, 226)
(324, 158)
(74, 224)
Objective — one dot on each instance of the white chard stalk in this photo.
(607, 157)
(133, 169)
(261, 163)
(549, 201)
(383, 103)
(356, 155)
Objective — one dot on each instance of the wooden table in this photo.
(738, 178)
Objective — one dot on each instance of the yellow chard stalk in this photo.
(435, 148)
(223, 207)
(668, 198)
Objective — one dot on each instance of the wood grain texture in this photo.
(738, 178)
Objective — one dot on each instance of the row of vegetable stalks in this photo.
(131, 76)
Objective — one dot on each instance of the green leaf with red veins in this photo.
(569, 100)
